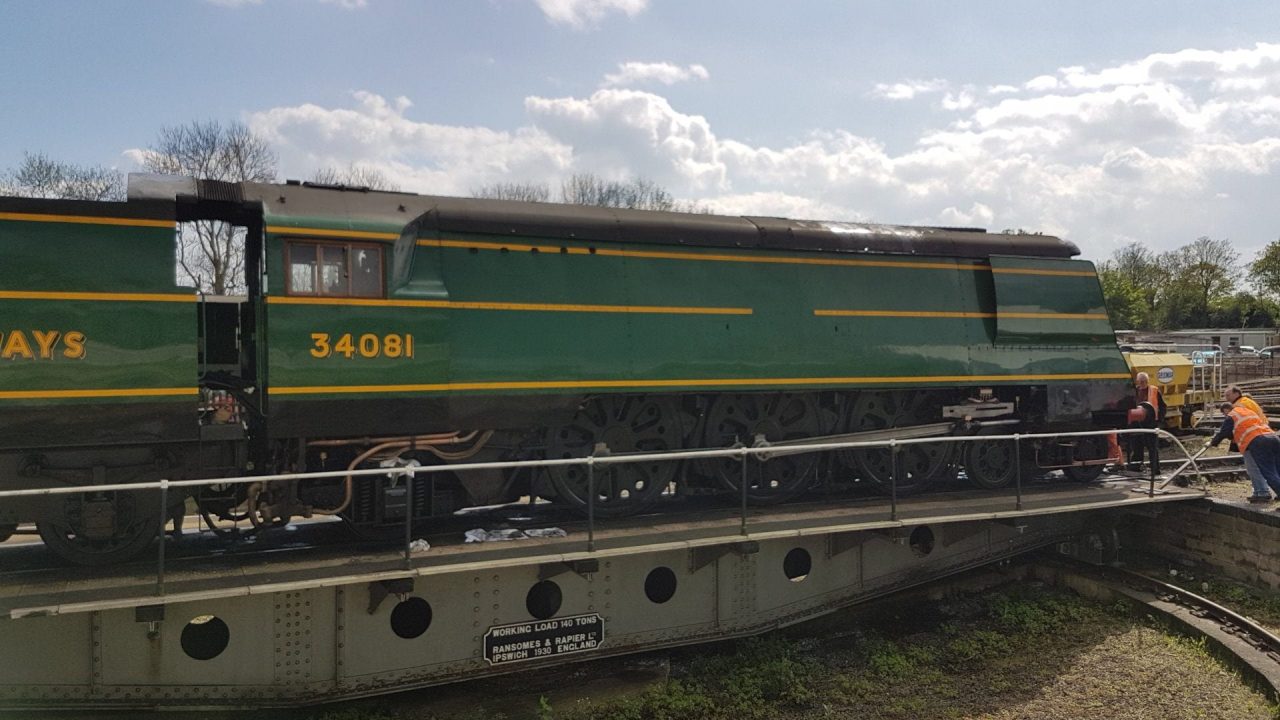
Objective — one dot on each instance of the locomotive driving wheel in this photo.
(990, 464)
(1089, 447)
(918, 465)
(742, 418)
(100, 528)
(625, 424)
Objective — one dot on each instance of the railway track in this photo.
(1248, 646)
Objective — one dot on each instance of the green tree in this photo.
(1265, 269)
(1127, 304)
(1131, 283)
(1244, 310)
(1197, 274)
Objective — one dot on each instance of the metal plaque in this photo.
(543, 638)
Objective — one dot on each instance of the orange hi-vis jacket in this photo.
(1153, 397)
(1248, 426)
(1247, 403)
(1137, 416)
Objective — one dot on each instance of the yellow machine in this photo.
(1190, 384)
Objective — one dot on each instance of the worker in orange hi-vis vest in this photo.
(1249, 433)
(1234, 395)
(1147, 398)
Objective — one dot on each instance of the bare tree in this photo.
(356, 176)
(524, 192)
(1137, 265)
(211, 253)
(39, 176)
(635, 194)
(590, 189)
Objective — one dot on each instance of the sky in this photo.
(1101, 122)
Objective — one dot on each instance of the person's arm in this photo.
(1163, 407)
(1224, 432)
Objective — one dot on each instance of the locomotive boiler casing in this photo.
(520, 310)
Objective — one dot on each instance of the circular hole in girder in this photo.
(544, 599)
(797, 564)
(660, 585)
(411, 617)
(205, 637)
(922, 541)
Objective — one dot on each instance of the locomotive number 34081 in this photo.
(368, 345)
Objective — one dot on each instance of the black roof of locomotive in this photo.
(578, 222)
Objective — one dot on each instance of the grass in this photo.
(1261, 607)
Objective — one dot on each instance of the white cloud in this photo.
(908, 89)
(584, 14)
(420, 156)
(1041, 83)
(234, 3)
(635, 73)
(962, 100)
(347, 4)
(620, 131)
(1002, 89)
(978, 215)
(1160, 149)
(1260, 61)
(779, 204)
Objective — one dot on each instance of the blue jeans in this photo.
(1262, 462)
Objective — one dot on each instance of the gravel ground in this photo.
(1236, 487)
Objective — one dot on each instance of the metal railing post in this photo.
(1153, 451)
(893, 479)
(1017, 468)
(591, 504)
(164, 516)
(744, 491)
(408, 520)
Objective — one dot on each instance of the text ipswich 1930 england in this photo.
(543, 638)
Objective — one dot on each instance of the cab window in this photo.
(334, 269)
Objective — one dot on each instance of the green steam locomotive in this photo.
(382, 329)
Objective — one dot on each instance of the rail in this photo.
(739, 451)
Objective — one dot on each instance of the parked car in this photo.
(1204, 357)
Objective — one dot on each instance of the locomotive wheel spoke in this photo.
(990, 464)
(134, 525)
(918, 465)
(740, 418)
(626, 424)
